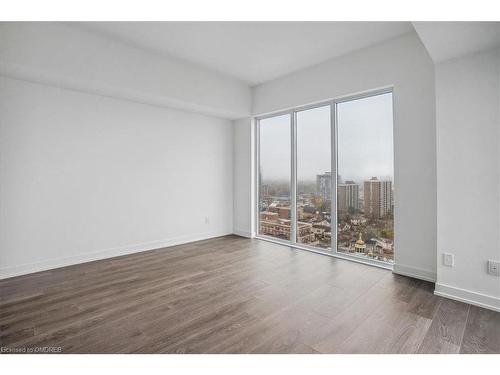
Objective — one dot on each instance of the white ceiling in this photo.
(447, 40)
(253, 52)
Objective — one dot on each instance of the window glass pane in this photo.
(314, 180)
(275, 177)
(365, 178)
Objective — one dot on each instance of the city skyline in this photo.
(363, 229)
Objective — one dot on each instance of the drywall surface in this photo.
(85, 177)
(66, 56)
(468, 171)
(243, 173)
(404, 64)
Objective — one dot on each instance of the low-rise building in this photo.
(271, 224)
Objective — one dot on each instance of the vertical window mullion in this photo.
(293, 191)
(333, 149)
(257, 178)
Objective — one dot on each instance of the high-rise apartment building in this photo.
(348, 196)
(377, 198)
(324, 185)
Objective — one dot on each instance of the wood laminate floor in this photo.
(235, 295)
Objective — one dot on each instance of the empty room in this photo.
(259, 187)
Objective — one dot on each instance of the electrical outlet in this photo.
(494, 267)
(207, 220)
(448, 259)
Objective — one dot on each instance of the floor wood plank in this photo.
(447, 329)
(482, 333)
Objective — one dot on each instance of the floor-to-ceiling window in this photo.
(325, 177)
(275, 177)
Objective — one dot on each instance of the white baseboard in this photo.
(467, 296)
(417, 273)
(242, 233)
(46, 265)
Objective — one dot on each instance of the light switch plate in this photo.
(494, 267)
(448, 259)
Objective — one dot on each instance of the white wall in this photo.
(243, 177)
(468, 171)
(404, 63)
(66, 56)
(85, 177)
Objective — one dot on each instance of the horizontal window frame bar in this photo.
(335, 100)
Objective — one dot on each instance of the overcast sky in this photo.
(364, 141)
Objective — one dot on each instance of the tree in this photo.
(318, 202)
(389, 234)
